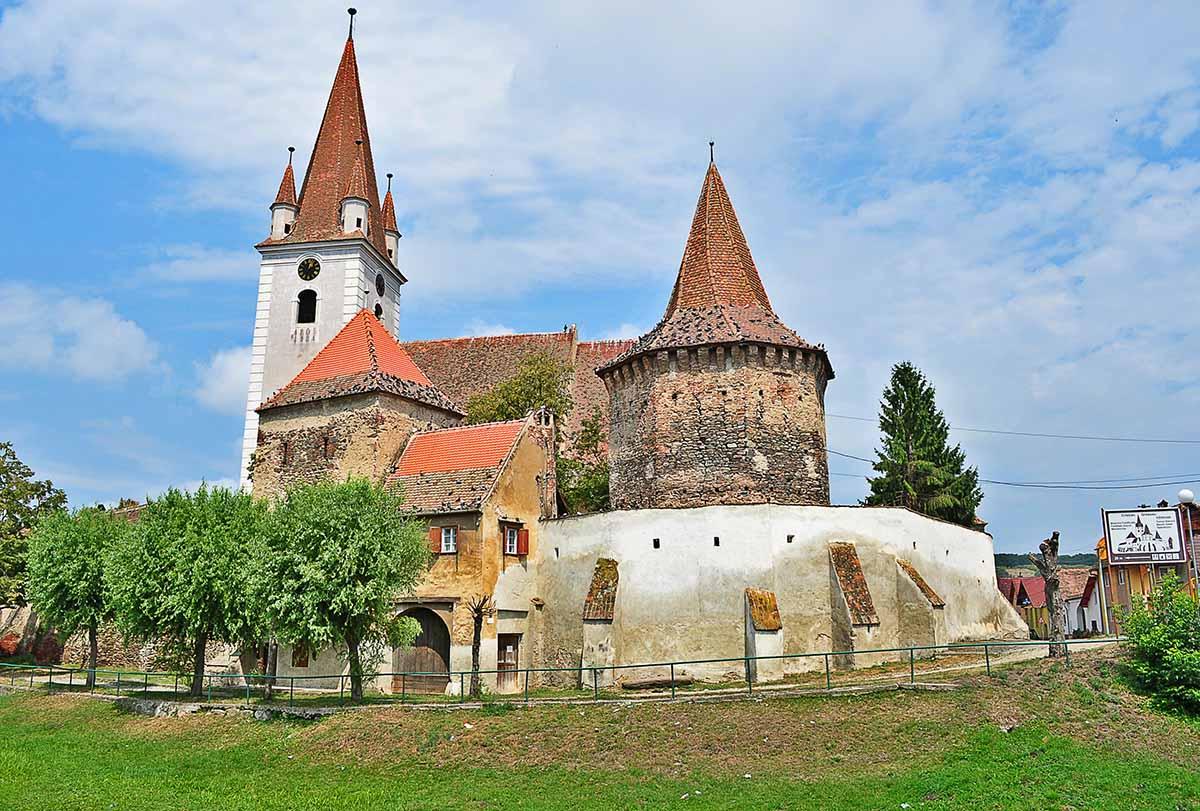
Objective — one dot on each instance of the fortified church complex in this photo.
(721, 542)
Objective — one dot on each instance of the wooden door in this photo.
(426, 665)
(507, 661)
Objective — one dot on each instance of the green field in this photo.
(1040, 737)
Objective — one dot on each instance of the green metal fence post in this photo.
(247, 689)
(1067, 651)
(987, 658)
(291, 689)
(462, 688)
(526, 687)
(341, 688)
(50, 682)
(210, 689)
(595, 686)
(70, 679)
(828, 680)
(146, 684)
(672, 680)
(118, 682)
(403, 686)
(175, 690)
(912, 666)
(749, 682)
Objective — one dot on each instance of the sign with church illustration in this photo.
(1146, 535)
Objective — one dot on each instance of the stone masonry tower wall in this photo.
(719, 425)
(720, 403)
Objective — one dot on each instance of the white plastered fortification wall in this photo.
(684, 600)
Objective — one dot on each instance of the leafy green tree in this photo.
(540, 380)
(66, 572)
(23, 500)
(337, 557)
(1164, 645)
(583, 470)
(184, 573)
(916, 465)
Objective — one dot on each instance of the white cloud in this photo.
(477, 328)
(82, 338)
(624, 331)
(222, 380)
(192, 263)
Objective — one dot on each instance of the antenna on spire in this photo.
(291, 149)
(352, 11)
(711, 152)
(389, 182)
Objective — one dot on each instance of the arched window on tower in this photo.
(306, 313)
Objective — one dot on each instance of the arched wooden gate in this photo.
(429, 654)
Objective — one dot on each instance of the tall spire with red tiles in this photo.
(335, 157)
(717, 268)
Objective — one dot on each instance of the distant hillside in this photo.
(1081, 560)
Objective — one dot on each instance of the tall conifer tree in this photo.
(917, 467)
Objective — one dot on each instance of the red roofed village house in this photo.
(722, 541)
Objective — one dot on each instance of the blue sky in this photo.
(1005, 194)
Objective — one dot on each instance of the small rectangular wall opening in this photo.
(791, 538)
(656, 543)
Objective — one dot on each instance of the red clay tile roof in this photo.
(332, 165)
(287, 188)
(718, 296)
(850, 577)
(1008, 587)
(357, 186)
(1032, 589)
(601, 601)
(454, 469)
(1072, 583)
(389, 212)
(919, 581)
(587, 389)
(764, 610)
(362, 357)
(467, 447)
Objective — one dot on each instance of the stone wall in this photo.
(359, 435)
(718, 425)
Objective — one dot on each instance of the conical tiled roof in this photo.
(718, 296)
(287, 188)
(357, 187)
(362, 357)
(717, 268)
(332, 165)
(389, 213)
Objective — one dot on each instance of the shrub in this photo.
(1164, 642)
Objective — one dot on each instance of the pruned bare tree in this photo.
(480, 606)
(1047, 565)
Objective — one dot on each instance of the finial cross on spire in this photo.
(711, 152)
(291, 149)
(389, 188)
(351, 12)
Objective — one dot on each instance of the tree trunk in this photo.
(198, 664)
(352, 655)
(1047, 565)
(272, 669)
(476, 635)
(93, 655)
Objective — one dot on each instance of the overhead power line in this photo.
(1131, 483)
(1040, 435)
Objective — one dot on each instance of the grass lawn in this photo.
(1038, 737)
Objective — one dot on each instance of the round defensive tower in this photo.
(720, 403)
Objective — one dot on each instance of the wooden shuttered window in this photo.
(522, 542)
(435, 540)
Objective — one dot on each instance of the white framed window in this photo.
(449, 540)
(510, 540)
(1121, 576)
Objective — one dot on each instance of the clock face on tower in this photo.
(309, 269)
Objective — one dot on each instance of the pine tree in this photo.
(917, 467)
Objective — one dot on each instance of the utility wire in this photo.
(1045, 436)
(1166, 480)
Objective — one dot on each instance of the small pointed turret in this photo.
(284, 209)
(391, 232)
(355, 204)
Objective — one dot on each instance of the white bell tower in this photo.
(331, 251)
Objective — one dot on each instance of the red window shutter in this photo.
(435, 539)
(522, 542)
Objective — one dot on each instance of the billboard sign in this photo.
(1144, 536)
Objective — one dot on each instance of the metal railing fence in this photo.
(246, 685)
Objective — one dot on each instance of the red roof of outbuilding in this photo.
(362, 357)
(469, 447)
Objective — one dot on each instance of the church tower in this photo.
(331, 252)
(720, 403)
